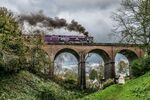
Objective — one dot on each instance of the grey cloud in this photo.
(85, 4)
(97, 22)
(56, 6)
(94, 15)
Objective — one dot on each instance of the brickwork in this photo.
(107, 51)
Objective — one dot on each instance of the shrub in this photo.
(93, 75)
(70, 81)
(140, 66)
(108, 83)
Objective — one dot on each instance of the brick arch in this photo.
(82, 49)
(108, 69)
(130, 54)
(68, 50)
(137, 51)
(102, 53)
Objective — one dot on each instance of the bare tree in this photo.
(133, 23)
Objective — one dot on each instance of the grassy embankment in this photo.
(136, 89)
(27, 86)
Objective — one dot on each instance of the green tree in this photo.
(100, 72)
(17, 52)
(133, 23)
(9, 31)
(93, 75)
(140, 66)
(38, 60)
(11, 45)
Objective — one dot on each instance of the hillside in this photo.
(137, 89)
(27, 86)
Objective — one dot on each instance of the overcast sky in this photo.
(94, 15)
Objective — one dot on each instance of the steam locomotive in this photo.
(67, 39)
(61, 38)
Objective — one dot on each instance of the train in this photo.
(67, 39)
(62, 38)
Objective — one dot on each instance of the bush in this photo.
(70, 81)
(108, 83)
(140, 66)
(93, 75)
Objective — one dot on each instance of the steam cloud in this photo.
(52, 23)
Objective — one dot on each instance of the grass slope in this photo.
(137, 89)
(27, 86)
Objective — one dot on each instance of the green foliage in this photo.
(1, 60)
(15, 51)
(140, 66)
(9, 32)
(68, 82)
(70, 75)
(108, 82)
(39, 61)
(27, 86)
(93, 75)
(122, 66)
(137, 89)
(11, 44)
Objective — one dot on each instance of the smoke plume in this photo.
(52, 23)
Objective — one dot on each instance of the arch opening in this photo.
(95, 67)
(67, 50)
(66, 65)
(121, 65)
(123, 59)
(104, 55)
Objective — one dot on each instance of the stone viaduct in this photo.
(107, 51)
